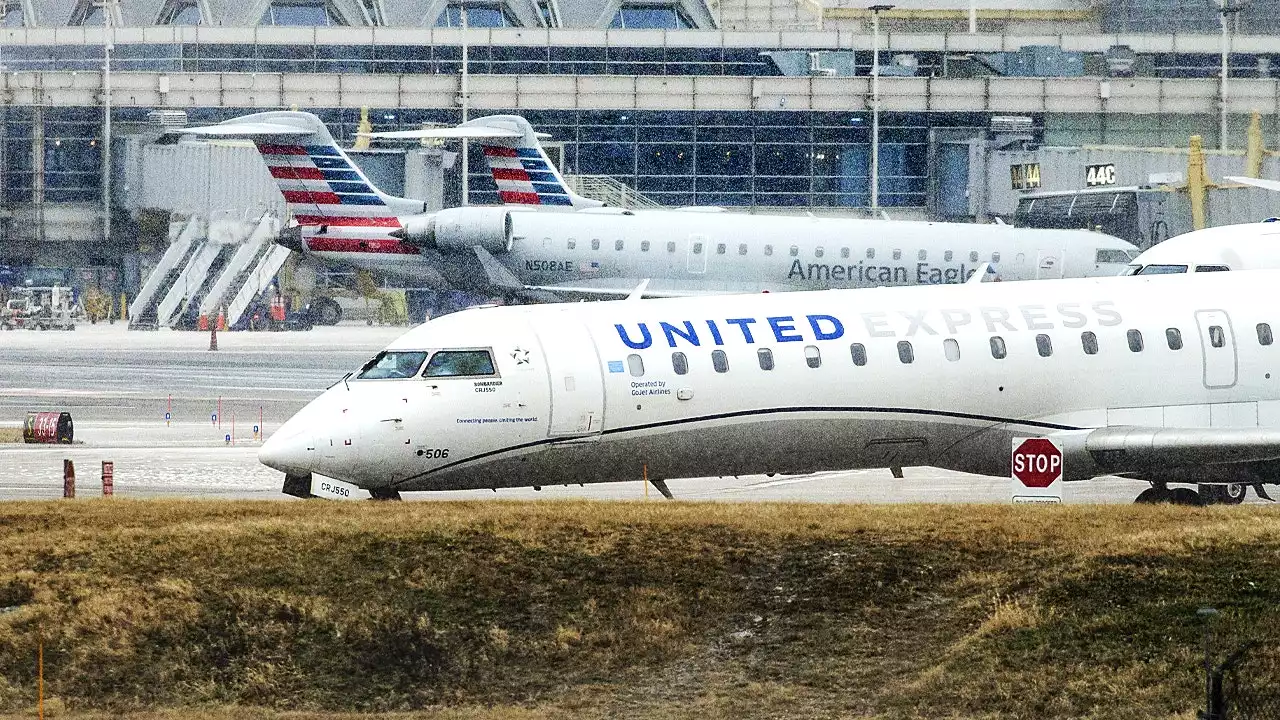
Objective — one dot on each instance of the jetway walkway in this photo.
(221, 268)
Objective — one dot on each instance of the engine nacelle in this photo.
(460, 229)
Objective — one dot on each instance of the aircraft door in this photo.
(1051, 264)
(698, 249)
(1218, 347)
(577, 383)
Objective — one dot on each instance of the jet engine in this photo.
(459, 230)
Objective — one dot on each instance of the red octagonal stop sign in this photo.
(1037, 463)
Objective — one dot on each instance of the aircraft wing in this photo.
(471, 132)
(1173, 454)
(1256, 182)
(245, 130)
(596, 293)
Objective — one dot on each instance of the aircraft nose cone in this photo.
(288, 451)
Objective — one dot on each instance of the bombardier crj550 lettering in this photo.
(1171, 379)
(521, 250)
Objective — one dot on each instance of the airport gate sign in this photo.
(1036, 470)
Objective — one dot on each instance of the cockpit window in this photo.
(459, 363)
(1162, 270)
(1113, 255)
(1212, 268)
(390, 364)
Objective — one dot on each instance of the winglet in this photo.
(638, 293)
(979, 275)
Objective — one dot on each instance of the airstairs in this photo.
(609, 191)
(222, 266)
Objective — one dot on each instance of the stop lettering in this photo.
(1037, 463)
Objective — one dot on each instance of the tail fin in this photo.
(320, 184)
(523, 172)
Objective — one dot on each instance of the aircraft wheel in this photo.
(1185, 496)
(1230, 494)
(327, 312)
(1153, 495)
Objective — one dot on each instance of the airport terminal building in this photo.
(755, 104)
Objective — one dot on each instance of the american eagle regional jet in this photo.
(1172, 379)
(526, 249)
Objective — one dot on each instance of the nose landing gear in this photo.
(1206, 494)
(1161, 493)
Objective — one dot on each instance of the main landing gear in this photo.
(1227, 494)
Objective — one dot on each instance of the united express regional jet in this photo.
(1173, 379)
(523, 251)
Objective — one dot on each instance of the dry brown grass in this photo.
(10, 434)
(191, 610)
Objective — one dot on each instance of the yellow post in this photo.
(646, 482)
(362, 141)
(1197, 182)
(40, 691)
(1254, 148)
(124, 307)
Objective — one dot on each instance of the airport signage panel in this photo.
(1036, 471)
(1099, 175)
(1024, 176)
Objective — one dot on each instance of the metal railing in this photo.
(610, 191)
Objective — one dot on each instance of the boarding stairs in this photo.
(610, 191)
(269, 260)
(238, 268)
(186, 288)
(143, 311)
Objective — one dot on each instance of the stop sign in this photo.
(1037, 463)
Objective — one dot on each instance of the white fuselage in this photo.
(800, 382)
(1248, 246)
(691, 252)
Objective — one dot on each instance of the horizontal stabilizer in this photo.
(1256, 182)
(244, 130)
(467, 131)
(1136, 450)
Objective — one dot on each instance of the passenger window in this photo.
(844, 253)
(720, 248)
(859, 354)
(995, 257)
(671, 247)
(1264, 334)
(871, 253)
(389, 365)
(617, 245)
(720, 361)
(768, 249)
(1217, 337)
(973, 256)
(765, 356)
(1135, 340)
(951, 348)
(812, 356)
(635, 364)
(644, 246)
(905, 353)
(1044, 345)
(1174, 337)
(922, 254)
(459, 363)
(573, 244)
(679, 363)
(595, 243)
(697, 248)
(897, 254)
(1090, 342)
(998, 349)
(742, 249)
(946, 256)
(795, 251)
(817, 252)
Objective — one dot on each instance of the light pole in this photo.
(875, 105)
(1225, 8)
(106, 121)
(466, 100)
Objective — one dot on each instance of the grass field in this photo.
(10, 434)
(185, 610)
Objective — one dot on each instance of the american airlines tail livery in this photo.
(522, 250)
(1173, 379)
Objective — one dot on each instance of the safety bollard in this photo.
(108, 478)
(68, 479)
(213, 338)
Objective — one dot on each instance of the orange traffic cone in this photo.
(203, 322)
(222, 319)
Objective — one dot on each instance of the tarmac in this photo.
(119, 385)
